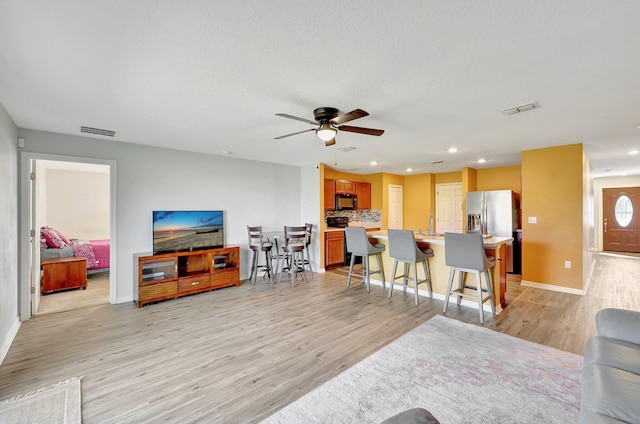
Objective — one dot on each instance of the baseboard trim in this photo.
(551, 287)
(13, 331)
(438, 296)
(124, 299)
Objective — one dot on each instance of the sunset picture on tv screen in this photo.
(187, 230)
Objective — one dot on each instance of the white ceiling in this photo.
(209, 76)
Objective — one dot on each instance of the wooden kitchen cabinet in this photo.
(334, 248)
(363, 191)
(329, 194)
(345, 187)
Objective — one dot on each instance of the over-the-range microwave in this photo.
(346, 202)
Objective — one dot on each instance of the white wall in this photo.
(9, 322)
(609, 182)
(250, 192)
(310, 208)
(77, 203)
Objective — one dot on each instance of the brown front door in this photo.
(620, 224)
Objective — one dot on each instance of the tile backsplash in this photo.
(364, 215)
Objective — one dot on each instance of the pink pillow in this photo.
(52, 238)
(63, 238)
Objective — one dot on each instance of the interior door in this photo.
(620, 227)
(449, 208)
(395, 207)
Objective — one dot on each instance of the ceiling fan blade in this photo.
(286, 115)
(330, 142)
(295, 133)
(350, 116)
(360, 130)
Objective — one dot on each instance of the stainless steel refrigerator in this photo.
(494, 213)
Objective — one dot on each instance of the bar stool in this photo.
(358, 245)
(258, 245)
(403, 248)
(465, 253)
(307, 244)
(294, 239)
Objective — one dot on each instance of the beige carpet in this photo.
(461, 373)
(58, 403)
(97, 293)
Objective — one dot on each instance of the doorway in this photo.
(395, 207)
(45, 207)
(449, 208)
(620, 224)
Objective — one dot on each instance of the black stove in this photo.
(338, 221)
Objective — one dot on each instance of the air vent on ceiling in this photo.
(347, 149)
(521, 108)
(436, 162)
(97, 131)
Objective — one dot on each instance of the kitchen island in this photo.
(494, 246)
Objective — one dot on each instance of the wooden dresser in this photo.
(64, 273)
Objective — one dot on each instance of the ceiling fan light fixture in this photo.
(326, 132)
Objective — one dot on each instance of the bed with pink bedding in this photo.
(55, 245)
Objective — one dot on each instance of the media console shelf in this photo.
(170, 275)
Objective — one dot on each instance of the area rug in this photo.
(461, 373)
(58, 403)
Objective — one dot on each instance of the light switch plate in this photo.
(533, 220)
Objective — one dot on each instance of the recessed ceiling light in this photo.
(374, 163)
(634, 152)
(452, 149)
(409, 170)
(481, 160)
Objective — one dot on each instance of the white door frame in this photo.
(399, 188)
(24, 219)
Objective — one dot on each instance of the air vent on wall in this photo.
(97, 131)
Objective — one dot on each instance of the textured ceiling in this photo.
(209, 76)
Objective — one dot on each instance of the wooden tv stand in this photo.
(170, 275)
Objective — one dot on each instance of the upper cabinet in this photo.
(360, 189)
(363, 191)
(344, 186)
(329, 194)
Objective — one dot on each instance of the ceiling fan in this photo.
(330, 122)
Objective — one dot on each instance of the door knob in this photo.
(605, 225)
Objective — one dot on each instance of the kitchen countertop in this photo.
(439, 239)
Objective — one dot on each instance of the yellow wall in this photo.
(552, 187)
(448, 177)
(339, 175)
(376, 189)
(418, 201)
(504, 178)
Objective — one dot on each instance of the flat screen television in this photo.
(175, 231)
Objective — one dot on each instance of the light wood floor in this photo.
(239, 354)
